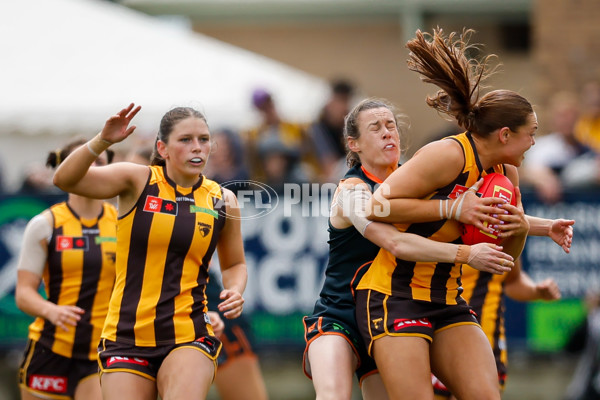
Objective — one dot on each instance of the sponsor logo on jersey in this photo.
(105, 239)
(157, 205)
(71, 243)
(47, 383)
(402, 323)
(126, 360)
(197, 209)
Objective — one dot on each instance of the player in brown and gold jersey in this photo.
(412, 316)
(158, 338)
(71, 247)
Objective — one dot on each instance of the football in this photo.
(494, 185)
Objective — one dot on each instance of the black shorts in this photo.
(44, 373)
(315, 326)
(146, 361)
(236, 343)
(380, 315)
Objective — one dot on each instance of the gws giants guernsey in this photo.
(164, 246)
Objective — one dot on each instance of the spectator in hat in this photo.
(289, 134)
(327, 131)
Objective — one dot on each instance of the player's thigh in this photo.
(332, 364)
(126, 385)
(89, 388)
(372, 388)
(26, 395)
(186, 373)
(403, 362)
(461, 356)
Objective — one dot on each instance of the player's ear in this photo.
(161, 148)
(353, 145)
(503, 134)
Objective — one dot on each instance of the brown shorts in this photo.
(380, 315)
(146, 361)
(44, 373)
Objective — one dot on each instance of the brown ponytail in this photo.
(443, 61)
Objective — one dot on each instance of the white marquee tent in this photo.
(69, 64)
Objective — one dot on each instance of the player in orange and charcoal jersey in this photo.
(158, 338)
(71, 247)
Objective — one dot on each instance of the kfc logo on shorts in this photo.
(126, 360)
(46, 383)
(406, 323)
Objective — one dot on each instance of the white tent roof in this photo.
(69, 64)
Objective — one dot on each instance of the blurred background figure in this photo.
(327, 132)
(276, 148)
(37, 179)
(239, 376)
(585, 170)
(585, 384)
(587, 130)
(227, 159)
(545, 162)
(139, 154)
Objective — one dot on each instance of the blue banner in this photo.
(286, 251)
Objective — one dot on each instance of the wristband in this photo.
(462, 254)
(97, 145)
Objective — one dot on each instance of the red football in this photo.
(494, 185)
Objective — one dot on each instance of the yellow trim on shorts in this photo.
(44, 395)
(213, 359)
(22, 371)
(88, 377)
(455, 325)
(369, 348)
(130, 371)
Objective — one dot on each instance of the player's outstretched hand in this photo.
(561, 231)
(117, 127)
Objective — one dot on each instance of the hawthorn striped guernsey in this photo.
(164, 247)
(80, 271)
(435, 282)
